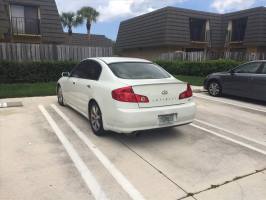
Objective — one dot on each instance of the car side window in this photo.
(251, 68)
(264, 69)
(90, 70)
(76, 73)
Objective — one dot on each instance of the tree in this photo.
(90, 15)
(69, 20)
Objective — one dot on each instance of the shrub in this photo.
(32, 72)
(197, 68)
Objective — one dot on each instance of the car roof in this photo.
(109, 60)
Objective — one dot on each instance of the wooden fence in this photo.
(245, 56)
(184, 56)
(44, 52)
(202, 56)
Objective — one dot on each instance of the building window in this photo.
(199, 30)
(25, 19)
(236, 30)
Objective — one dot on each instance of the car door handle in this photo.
(88, 86)
(74, 83)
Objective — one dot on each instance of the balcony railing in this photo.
(21, 25)
(202, 38)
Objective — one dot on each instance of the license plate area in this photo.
(167, 119)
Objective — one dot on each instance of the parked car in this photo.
(247, 80)
(126, 95)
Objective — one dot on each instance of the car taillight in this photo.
(127, 94)
(188, 93)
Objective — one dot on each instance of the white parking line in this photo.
(230, 139)
(85, 173)
(233, 133)
(118, 176)
(229, 103)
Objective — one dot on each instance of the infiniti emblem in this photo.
(164, 92)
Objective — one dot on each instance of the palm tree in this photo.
(89, 14)
(69, 20)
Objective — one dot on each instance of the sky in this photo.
(112, 12)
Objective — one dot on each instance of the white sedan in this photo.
(126, 95)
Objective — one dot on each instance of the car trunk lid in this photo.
(160, 92)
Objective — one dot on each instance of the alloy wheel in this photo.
(95, 118)
(214, 89)
(60, 96)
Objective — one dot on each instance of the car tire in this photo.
(96, 121)
(215, 89)
(60, 97)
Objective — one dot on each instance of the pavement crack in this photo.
(189, 194)
(224, 183)
(154, 167)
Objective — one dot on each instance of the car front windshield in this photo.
(138, 70)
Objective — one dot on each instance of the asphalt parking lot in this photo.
(49, 152)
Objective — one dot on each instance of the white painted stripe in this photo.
(229, 103)
(118, 176)
(3, 105)
(85, 173)
(230, 139)
(233, 133)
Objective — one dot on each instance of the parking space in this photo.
(244, 122)
(49, 152)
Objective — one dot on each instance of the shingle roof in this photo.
(86, 40)
(169, 27)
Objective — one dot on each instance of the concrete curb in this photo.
(10, 104)
(198, 89)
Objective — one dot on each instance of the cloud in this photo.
(230, 5)
(113, 9)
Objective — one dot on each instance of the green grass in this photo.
(193, 80)
(27, 90)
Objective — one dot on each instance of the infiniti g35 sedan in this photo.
(247, 80)
(126, 95)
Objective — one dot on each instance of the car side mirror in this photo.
(65, 74)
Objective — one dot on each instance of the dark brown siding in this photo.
(263, 26)
(170, 27)
(256, 25)
(50, 27)
(79, 39)
(3, 18)
(178, 32)
(147, 30)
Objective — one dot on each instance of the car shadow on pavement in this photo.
(148, 136)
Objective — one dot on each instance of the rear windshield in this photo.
(130, 70)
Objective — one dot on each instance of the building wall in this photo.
(50, 27)
(256, 25)
(146, 30)
(178, 31)
(263, 26)
(150, 53)
(169, 27)
(3, 19)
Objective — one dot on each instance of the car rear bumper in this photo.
(131, 120)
